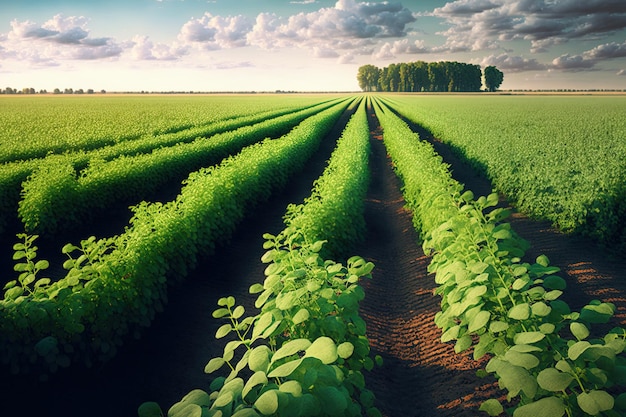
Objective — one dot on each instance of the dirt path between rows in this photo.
(420, 375)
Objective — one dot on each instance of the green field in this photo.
(561, 159)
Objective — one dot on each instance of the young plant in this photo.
(303, 353)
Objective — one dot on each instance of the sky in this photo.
(304, 45)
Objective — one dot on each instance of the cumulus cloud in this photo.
(142, 48)
(58, 38)
(544, 23)
(511, 63)
(588, 59)
(216, 32)
(569, 62)
(347, 25)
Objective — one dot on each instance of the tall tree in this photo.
(493, 78)
(367, 77)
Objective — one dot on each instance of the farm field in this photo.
(558, 158)
(184, 240)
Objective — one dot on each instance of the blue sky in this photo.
(306, 45)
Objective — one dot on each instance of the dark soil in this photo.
(420, 376)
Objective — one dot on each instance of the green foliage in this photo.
(556, 158)
(55, 197)
(115, 286)
(334, 210)
(501, 306)
(280, 362)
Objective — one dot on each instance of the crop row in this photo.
(114, 286)
(54, 196)
(36, 127)
(544, 355)
(557, 158)
(303, 353)
(13, 174)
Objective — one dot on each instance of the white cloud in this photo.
(569, 62)
(216, 32)
(144, 49)
(511, 63)
(60, 38)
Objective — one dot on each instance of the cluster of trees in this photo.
(420, 76)
(27, 90)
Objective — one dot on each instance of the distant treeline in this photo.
(420, 76)
(29, 90)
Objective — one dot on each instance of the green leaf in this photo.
(527, 338)
(451, 334)
(291, 387)
(492, 407)
(540, 309)
(185, 410)
(291, 348)
(547, 328)
(543, 260)
(545, 407)
(595, 401)
(520, 312)
(259, 359)
(43, 264)
(552, 379)
(554, 282)
(198, 397)
(597, 313)
(498, 326)
(267, 403)
(345, 350)
(221, 312)
(324, 349)
(579, 330)
(258, 378)
(41, 282)
(213, 365)
(552, 295)
(301, 316)
(333, 401)
(479, 321)
(513, 378)
(223, 331)
(238, 312)
(577, 349)
(285, 369)
(256, 288)
(525, 360)
(226, 301)
(262, 324)
(149, 409)
(463, 343)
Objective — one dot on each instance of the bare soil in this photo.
(420, 376)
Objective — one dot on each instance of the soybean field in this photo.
(313, 255)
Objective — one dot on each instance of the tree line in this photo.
(420, 76)
(29, 90)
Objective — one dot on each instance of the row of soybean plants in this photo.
(114, 286)
(557, 158)
(303, 352)
(55, 196)
(547, 357)
(13, 174)
(33, 127)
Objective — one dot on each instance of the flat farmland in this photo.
(489, 232)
